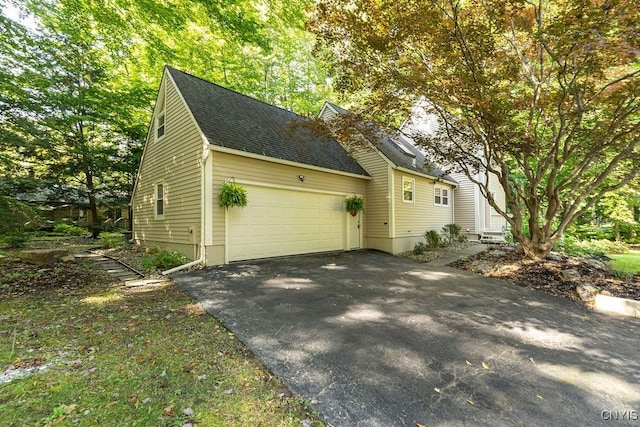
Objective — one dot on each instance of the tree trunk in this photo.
(94, 224)
(536, 249)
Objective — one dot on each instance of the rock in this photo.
(68, 258)
(587, 293)
(482, 267)
(571, 275)
(497, 253)
(43, 256)
(554, 256)
(596, 263)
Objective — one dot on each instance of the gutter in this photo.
(202, 259)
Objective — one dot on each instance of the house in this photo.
(407, 195)
(476, 217)
(67, 203)
(203, 135)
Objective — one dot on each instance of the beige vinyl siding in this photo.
(413, 219)
(497, 220)
(465, 204)
(249, 170)
(377, 196)
(173, 161)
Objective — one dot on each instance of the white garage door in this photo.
(280, 222)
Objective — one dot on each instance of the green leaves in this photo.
(232, 195)
(548, 92)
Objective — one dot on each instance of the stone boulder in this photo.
(571, 275)
(587, 293)
(43, 256)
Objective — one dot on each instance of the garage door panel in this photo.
(280, 222)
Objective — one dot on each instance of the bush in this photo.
(573, 246)
(433, 239)
(111, 240)
(419, 248)
(17, 216)
(162, 259)
(70, 229)
(451, 233)
(15, 240)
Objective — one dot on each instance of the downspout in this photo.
(203, 214)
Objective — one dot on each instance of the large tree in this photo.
(544, 95)
(77, 85)
(67, 119)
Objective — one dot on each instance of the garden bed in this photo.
(559, 275)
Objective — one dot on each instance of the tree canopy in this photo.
(77, 86)
(544, 95)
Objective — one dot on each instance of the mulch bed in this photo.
(18, 278)
(558, 275)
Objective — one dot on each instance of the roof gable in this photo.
(401, 151)
(232, 120)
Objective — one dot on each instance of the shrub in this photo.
(433, 239)
(15, 240)
(111, 240)
(419, 248)
(17, 216)
(70, 229)
(451, 233)
(573, 246)
(162, 259)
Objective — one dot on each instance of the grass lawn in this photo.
(99, 354)
(626, 263)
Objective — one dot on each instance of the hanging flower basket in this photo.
(232, 195)
(354, 204)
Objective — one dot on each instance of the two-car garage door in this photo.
(280, 222)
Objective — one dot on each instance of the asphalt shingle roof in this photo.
(232, 120)
(401, 151)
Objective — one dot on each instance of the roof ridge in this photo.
(169, 67)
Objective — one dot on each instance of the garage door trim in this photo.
(283, 187)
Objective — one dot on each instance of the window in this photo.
(408, 190)
(160, 118)
(159, 200)
(160, 125)
(440, 196)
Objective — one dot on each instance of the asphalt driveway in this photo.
(376, 340)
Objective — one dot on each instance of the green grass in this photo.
(626, 263)
(138, 357)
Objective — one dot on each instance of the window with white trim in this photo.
(408, 190)
(160, 118)
(440, 196)
(160, 125)
(159, 190)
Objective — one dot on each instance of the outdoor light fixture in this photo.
(301, 178)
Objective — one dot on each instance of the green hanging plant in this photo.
(232, 194)
(354, 204)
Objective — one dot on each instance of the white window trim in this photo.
(162, 115)
(155, 200)
(442, 188)
(413, 190)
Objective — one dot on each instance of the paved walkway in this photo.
(376, 340)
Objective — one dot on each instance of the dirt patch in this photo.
(18, 278)
(559, 275)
